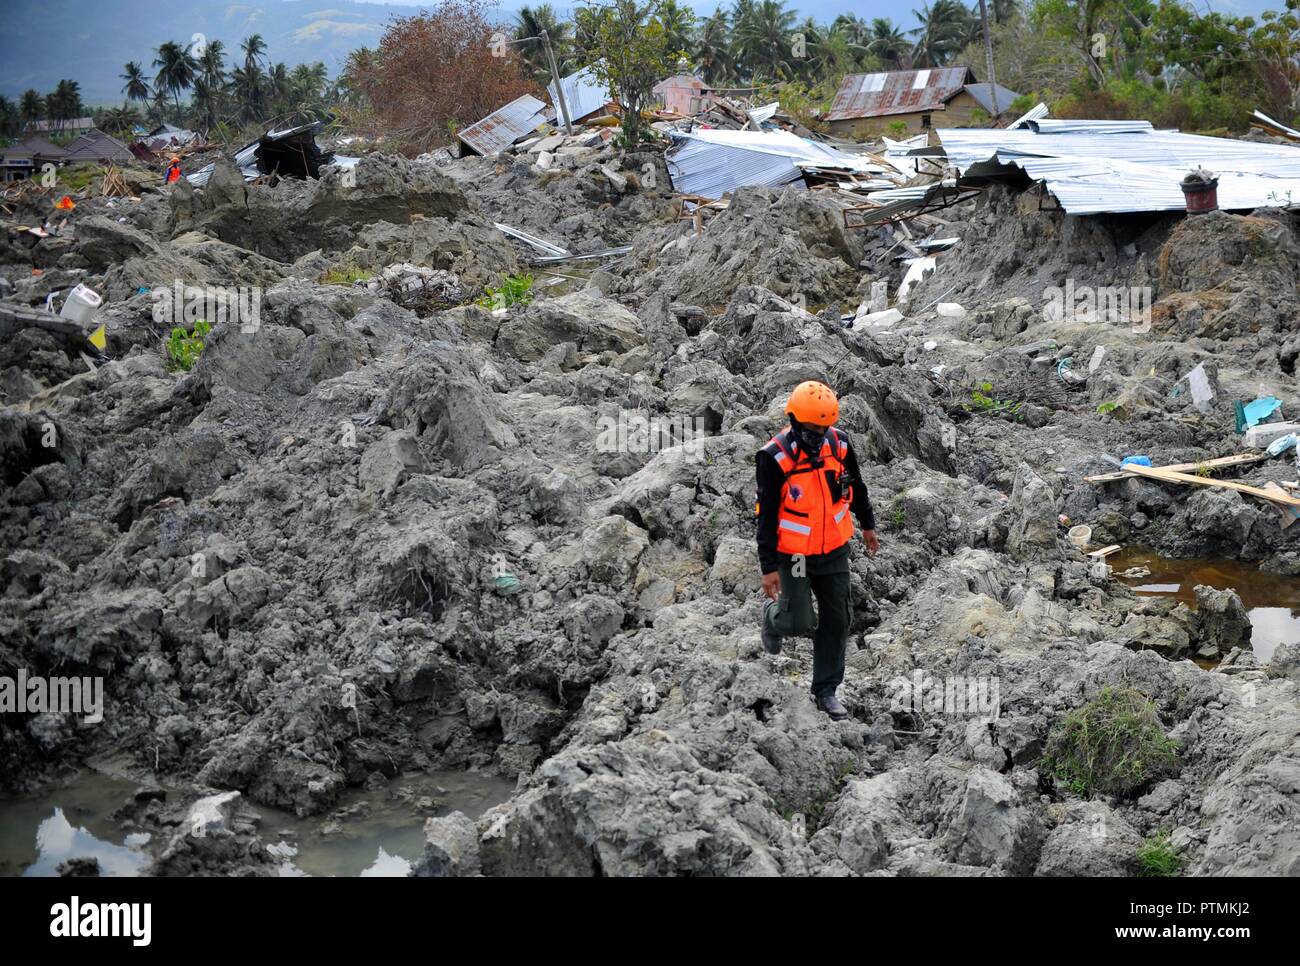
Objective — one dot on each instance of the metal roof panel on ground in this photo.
(713, 163)
(1110, 166)
(504, 126)
(584, 95)
(897, 92)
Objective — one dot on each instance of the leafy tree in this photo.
(634, 52)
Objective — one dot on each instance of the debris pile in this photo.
(413, 509)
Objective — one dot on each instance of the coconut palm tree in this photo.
(530, 22)
(31, 107)
(712, 49)
(175, 72)
(764, 40)
(65, 103)
(889, 43)
(136, 87)
(679, 24)
(212, 64)
(944, 29)
(118, 120)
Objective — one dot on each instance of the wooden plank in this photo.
(1170, 476)
(1237, 459)
(1286, 515)
(1104, 552)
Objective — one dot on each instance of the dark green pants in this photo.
(825, 576)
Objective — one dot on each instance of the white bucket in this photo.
(1080, 536)
(81, 305)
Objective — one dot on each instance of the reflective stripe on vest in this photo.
(796, 527)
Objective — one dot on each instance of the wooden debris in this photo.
(1238, 459)
(1104, 552)
(1278, 496)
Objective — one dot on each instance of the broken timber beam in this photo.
(1170, 476)
(1237, 459)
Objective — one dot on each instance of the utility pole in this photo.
(988, 60)
(558, 81)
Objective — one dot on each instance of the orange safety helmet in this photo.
(813, 402)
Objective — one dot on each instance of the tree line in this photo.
(220, 99)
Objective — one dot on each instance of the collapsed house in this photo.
(584, 97)
(290, 152)
(1091, 167)
(868, 105)
(712, 163)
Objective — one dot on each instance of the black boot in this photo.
(831, 705)
(771, 639)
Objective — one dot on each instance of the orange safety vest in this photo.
(814, 516)
(173, 173)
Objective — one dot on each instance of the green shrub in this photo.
(514, 290)
(183, 348)
(346, 275)
(1112, 745)
(1157, 857)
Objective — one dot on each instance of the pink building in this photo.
(683, 94)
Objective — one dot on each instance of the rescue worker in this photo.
(174, 170)
(808, 485)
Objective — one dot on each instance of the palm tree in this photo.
(278, 88)
(253, 47)
(206, 103)
(712, 49)
(31, 107)
(764, 40)
(65, 103)
(888, 43)
(136, 87)
(116, 120)
(678, 23)
(250, 83)
(175, 72)
(212, 64)
(10, 121)
(944, 29)
(851, 27)
(530, 22)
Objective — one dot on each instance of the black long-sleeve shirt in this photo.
(770, 481)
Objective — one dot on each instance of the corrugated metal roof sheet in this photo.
(713, 163)
(983, 94)
(583, 95)
(505, 126)
(1126, 166)
(897, 92)
(764, 113)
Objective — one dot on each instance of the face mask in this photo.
(810, 440)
